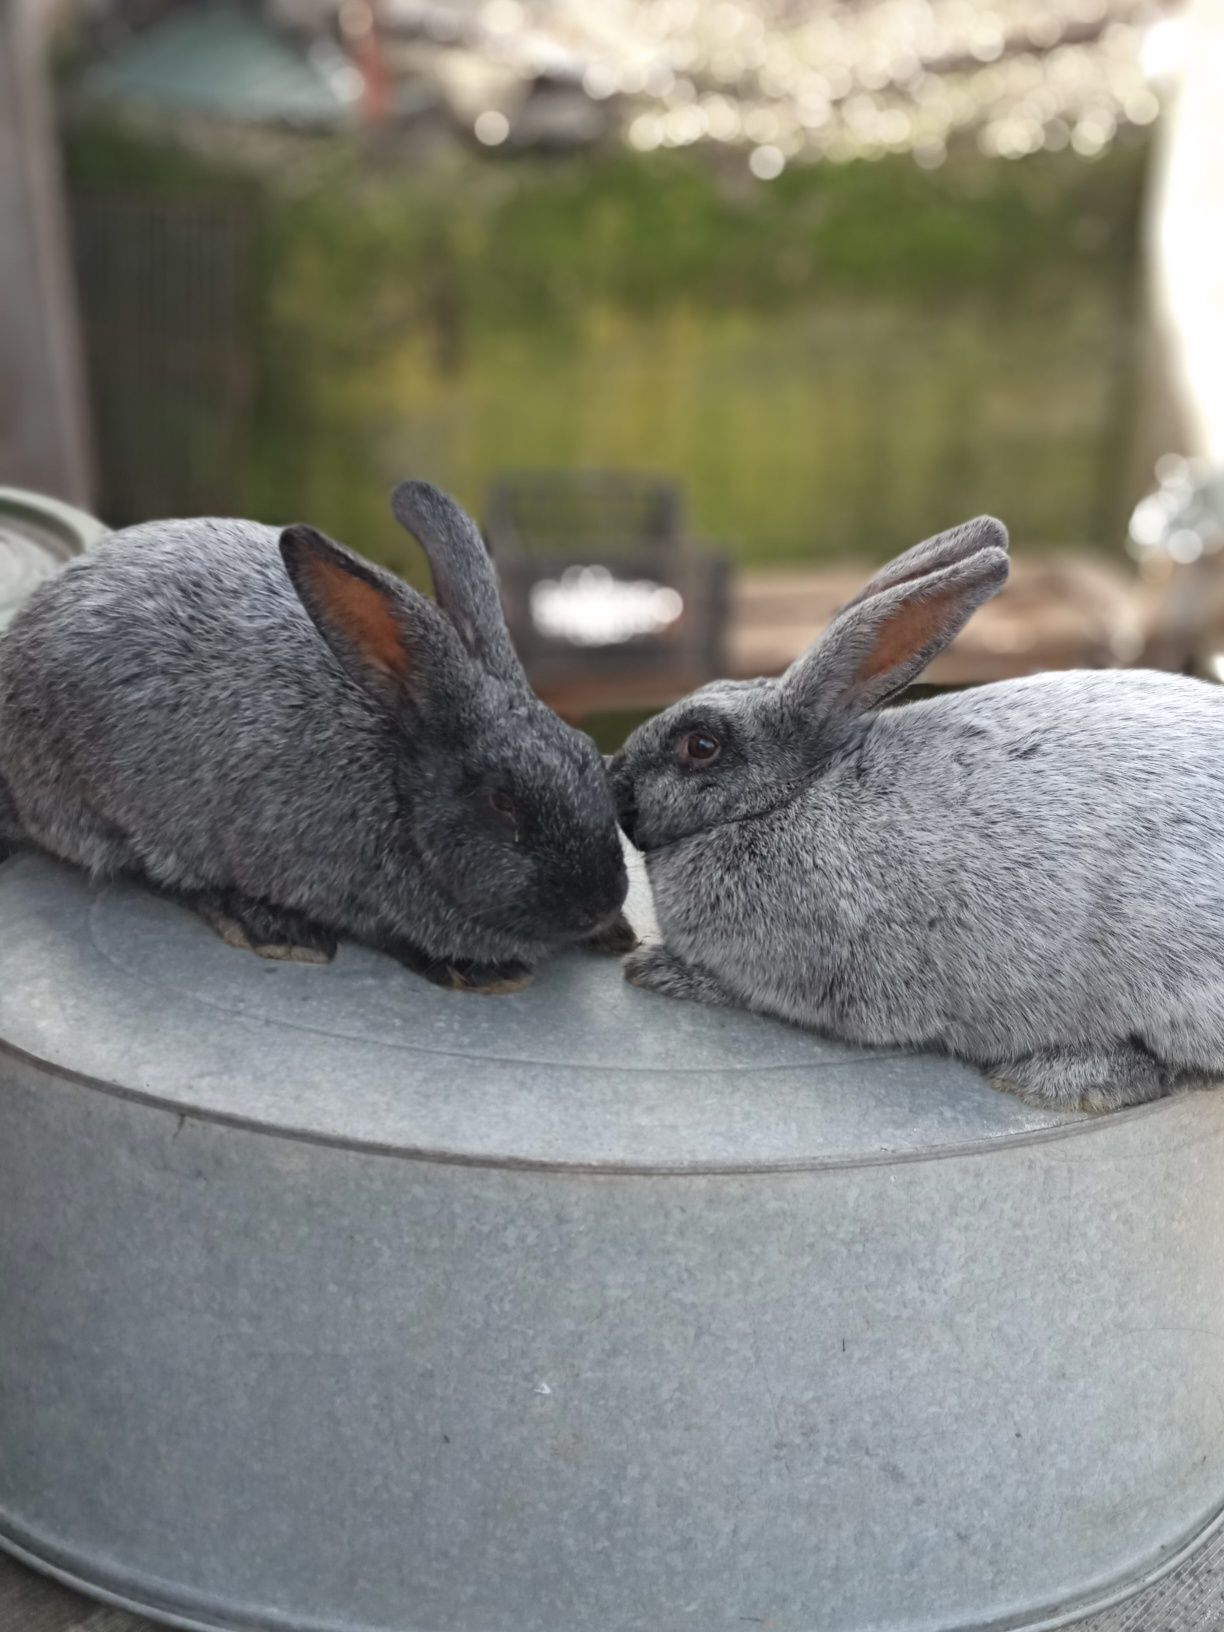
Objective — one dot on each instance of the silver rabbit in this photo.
(1029, 876)
(285, 737)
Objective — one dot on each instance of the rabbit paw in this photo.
(269, 932)
(614, 939)
(460, 974)
(1083, 1079)
(487, 979)
(656, 969)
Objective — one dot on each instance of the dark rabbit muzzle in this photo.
(593, 899)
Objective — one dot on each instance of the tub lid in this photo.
(126, 992)
(37, 535)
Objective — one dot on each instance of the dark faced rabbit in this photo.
(291, 740)
(1029, 875)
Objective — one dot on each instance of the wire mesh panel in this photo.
(165, 291)
(608, 512)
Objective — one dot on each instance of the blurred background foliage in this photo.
(830, 365)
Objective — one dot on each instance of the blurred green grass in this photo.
(832, 364)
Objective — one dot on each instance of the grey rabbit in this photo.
(264, 725)
(1029, 876)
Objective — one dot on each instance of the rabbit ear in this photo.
(943, 550)
(465, 583)
(877, 646)
(388, 637)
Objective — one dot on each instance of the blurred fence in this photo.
(166, 292)
(830, 366)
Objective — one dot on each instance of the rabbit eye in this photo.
(504, 806)
(699, 748)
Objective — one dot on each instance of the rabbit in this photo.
(1028, 876)
(264, 725)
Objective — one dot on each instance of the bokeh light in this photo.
(844, 80)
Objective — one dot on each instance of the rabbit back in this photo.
(1036, 861)
(166, 707)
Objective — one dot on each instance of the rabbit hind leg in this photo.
(270, 932)
(658, 969)
(1187, 1037)
(68, 829)
(1084, 1079)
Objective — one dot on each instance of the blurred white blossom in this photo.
(837, 78)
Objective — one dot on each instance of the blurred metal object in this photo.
(37, 535)
(603, 585)
(44, 434)
(334, 1302)
(1183, 518)
(1177, 537)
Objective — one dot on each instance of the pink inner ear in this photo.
(363, 614)
(912, 627)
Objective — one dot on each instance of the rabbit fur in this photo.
(270, 728)
(1029, 875)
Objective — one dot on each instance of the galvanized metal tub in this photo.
(37, 535)
(329, 1300)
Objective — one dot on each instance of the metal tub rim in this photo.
(1072, 1127)
(141, 1597)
